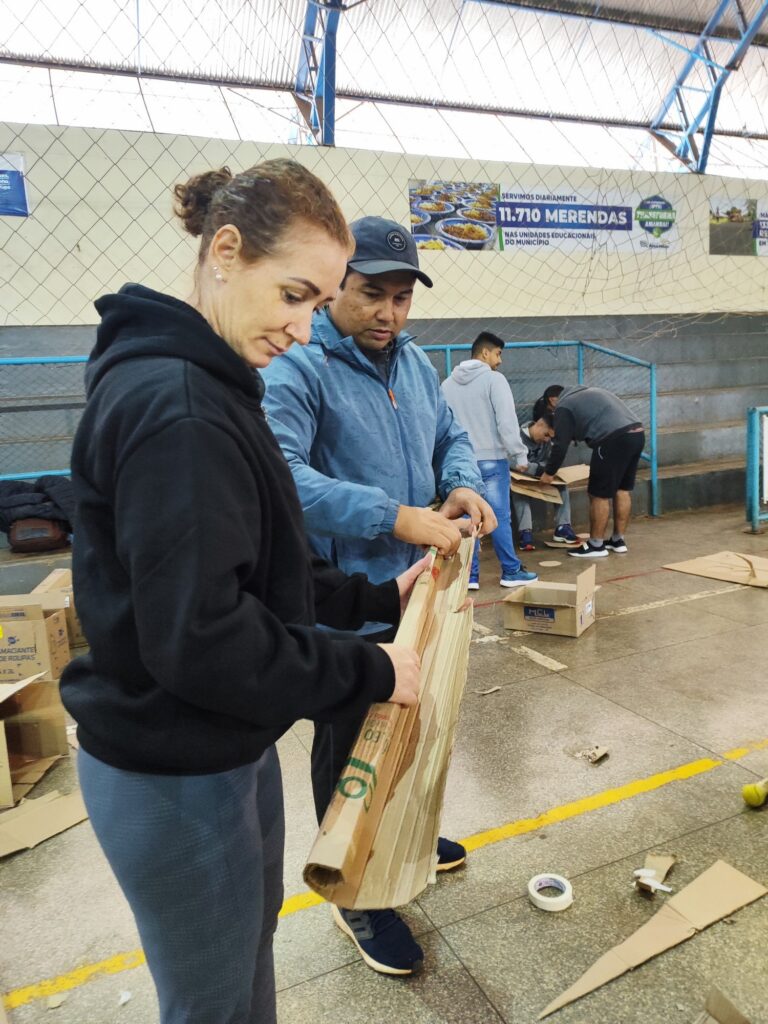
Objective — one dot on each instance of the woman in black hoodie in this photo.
(199, 596)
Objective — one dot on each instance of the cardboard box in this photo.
(563, 609)
(32, 640)
(33, 735)
(57, 592)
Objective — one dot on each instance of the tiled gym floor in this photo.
(673, 672)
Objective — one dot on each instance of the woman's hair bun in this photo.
(193, 199)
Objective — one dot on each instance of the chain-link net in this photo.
(40, 408)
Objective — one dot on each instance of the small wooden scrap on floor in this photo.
(484, 693)
(480, 629)
(594, 754)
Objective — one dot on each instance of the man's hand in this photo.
(546, 478)
(406, 580)
(463, 501)
(430, 529)
(521, 468)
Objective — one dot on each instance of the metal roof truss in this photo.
(698, 115)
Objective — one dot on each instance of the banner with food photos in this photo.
(483, 216)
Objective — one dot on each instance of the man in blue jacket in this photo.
(370, 440)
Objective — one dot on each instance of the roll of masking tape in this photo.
(561, 901)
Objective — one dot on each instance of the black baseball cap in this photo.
(383, 245)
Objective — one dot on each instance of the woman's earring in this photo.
(217, 274)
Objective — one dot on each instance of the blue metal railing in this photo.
(757, 425)
(651, 454)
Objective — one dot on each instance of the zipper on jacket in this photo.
(392, 399)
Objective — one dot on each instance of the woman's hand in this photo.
(406, 580)
(407, 666)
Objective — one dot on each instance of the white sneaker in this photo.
(472, 585)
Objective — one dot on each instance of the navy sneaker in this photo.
(526, 541)
(519, 578)
(383, 939)
(450, 855)
(617, 545)
(589, 550)
(564, 534)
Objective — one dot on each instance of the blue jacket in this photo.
(359, 448)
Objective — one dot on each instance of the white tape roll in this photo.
(546, 902)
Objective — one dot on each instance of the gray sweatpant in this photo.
(200, 861)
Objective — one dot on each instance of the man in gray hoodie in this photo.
(482, 402)
(617, 439)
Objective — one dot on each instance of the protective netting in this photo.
(40, 408)
(100, 214)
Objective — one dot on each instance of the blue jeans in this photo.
(200, 860)
(495, 474)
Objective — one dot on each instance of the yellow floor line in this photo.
(304, 900)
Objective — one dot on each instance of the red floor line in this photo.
(632, 575)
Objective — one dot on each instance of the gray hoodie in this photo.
(482, 402)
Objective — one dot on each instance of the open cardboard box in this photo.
(563, 609)
(32, 640)
(56, 591)
(33, 735)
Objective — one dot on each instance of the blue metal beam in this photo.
(315, 91)
(700, 116)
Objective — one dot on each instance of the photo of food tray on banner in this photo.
(456, 215)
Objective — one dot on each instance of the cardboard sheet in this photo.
(716, 893)
(34, 821)
(572, 474)
(729, 566)
(529, 487)
(720, 1010)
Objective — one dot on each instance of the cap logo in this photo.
(396, 241)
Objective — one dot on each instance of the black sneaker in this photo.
(450, 855)
(383, 939)
(589, 550)
(618, 545)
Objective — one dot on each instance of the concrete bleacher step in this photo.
(709, 405)
(681, 443)
(712, 373)
(694, 485)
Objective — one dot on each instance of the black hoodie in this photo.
(194, 581)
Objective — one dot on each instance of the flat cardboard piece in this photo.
(720, 1010)
(562, 609)
(57, 587)
(34, 821)
(31, 639)
(729, 566)
(716, 893)
(530, 487)
(572, 474)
